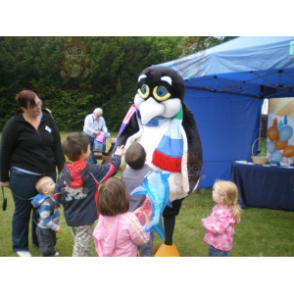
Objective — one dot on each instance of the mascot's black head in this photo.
(161, 83)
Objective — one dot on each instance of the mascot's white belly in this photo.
(149, 138)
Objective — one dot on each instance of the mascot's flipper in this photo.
(128, 127)
(195, 156)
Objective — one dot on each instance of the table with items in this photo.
(265, 186)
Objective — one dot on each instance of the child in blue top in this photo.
(48, 219)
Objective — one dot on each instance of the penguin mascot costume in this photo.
(161, 122)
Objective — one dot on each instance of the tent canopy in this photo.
(225, 88)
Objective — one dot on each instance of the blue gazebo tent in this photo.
(225, 88)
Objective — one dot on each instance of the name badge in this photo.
(48, 129)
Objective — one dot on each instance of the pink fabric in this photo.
(220, 227)
(119, 235)
(100, 137)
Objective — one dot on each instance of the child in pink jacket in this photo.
(118, 232)
(225, 215)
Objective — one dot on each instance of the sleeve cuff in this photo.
(54, 226)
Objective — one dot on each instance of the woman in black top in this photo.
(30, 149)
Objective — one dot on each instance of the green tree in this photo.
(104, 75)
(190, 45)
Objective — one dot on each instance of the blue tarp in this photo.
(225, 88)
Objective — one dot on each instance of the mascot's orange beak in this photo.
(150, 109)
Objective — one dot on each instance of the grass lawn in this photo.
(262, 232)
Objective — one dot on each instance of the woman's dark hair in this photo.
(74, 145)
(135, 156)
(113, 198)
(26, 98)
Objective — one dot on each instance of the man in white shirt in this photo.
(93, 125)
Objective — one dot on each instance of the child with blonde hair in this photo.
(225, 215)
(119, 231)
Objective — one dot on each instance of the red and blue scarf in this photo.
(168, 154)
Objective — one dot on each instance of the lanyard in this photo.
(94, 122)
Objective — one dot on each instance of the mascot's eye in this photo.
(161, 93)
(79, 51)
(144, 91)
(69, 50)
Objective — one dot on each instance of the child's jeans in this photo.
(213, 252)
(99, 146)
(47, 241)
(146, 250)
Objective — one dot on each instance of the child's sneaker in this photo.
(24, 253)
(56, 253)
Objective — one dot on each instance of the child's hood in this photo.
(38, 200)
(75, 174)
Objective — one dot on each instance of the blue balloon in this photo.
(286, 133)
(271, 147)
(280, 125)
(156, 188)
(276, 157)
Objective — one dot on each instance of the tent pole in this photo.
(260, 128)
(263, 129)
(260, 119)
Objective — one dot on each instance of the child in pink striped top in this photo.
(225, 215)
(118, 232)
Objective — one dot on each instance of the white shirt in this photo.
(92, 124)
